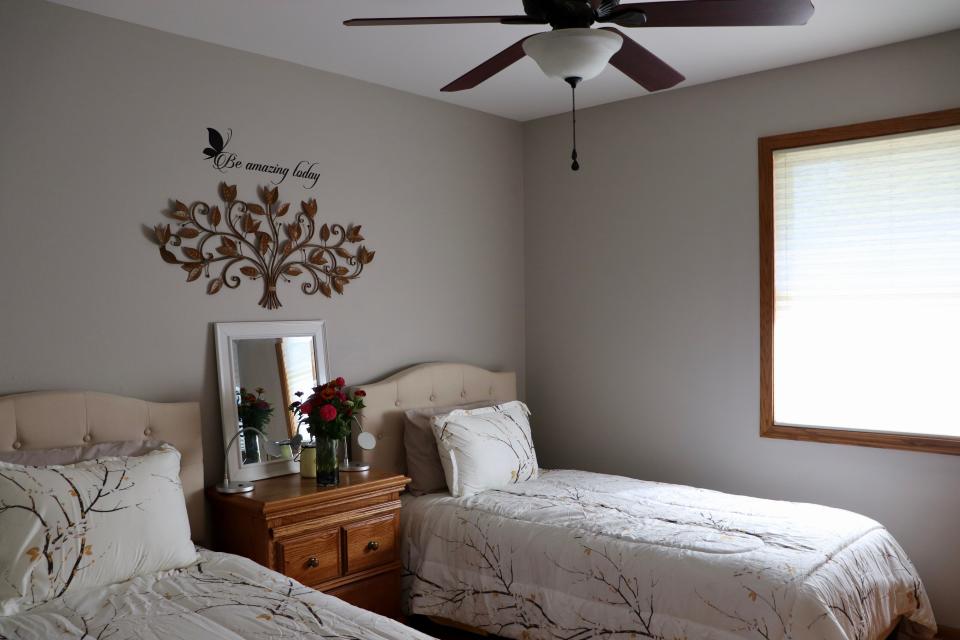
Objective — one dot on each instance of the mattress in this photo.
(223, 597)
(576, 555)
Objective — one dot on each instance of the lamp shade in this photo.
(572, 53)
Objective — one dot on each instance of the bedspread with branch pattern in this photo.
(222, 597)
(576, 555)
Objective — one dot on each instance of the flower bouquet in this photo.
(328, 415)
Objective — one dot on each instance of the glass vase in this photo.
(328, 466)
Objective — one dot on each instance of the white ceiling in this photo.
(421, 59)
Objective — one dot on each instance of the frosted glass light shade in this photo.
(573, 53)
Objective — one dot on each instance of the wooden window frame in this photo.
(766, 147)
(292, 425)
(285, 390)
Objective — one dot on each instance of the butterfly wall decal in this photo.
(217, 144)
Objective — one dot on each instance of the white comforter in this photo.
(577, 555)
(224, 597)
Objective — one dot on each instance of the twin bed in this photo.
(568, 555)
(580, 555)
(574, 555)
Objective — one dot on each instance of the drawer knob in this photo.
(312, 562)
(373, 545)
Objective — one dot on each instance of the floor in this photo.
(441, 632)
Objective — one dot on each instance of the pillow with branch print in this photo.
(93, 523)
(486, 448)
(423, 461)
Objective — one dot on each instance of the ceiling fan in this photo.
(573, 51)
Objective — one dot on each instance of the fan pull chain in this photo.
(573, 82)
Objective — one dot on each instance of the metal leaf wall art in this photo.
(252, 239)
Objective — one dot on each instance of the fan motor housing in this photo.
(561, 14)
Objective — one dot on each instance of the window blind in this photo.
(867, 284)
(299, 368)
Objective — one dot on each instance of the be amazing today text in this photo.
(305, 169)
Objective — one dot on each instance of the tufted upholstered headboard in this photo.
(436, 384)
(47, 419)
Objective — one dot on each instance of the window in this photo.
(860, 284)
(298, 373)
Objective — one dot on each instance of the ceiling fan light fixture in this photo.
(573, 53)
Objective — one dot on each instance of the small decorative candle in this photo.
(308, 461)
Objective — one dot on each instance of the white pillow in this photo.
(89, 524)
(485, 448)
(423, 461)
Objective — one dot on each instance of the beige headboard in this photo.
(65, 419)
(436, 384)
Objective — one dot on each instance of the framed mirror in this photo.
(261, 366)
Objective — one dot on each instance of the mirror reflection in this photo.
(269, 372)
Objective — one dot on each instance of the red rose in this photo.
(339, 382)
(328, 413)
(306, 407)
(360, 393)
(342, 396)
(327, 393)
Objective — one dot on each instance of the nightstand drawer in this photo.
(370, 543)
(380, 594)
(311, 559)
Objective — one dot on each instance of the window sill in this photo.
(930, 444)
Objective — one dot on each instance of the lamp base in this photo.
(235, 487)
(354, 466)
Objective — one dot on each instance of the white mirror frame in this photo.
(226, 334)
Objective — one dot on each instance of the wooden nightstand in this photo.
(342, 540)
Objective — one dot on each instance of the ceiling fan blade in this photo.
(381, 22)
(711, 13)
(641, 66)
(603, 7)
(489, 68)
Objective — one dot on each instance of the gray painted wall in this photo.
(258, 367)
(103, 122)
(642, 295)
